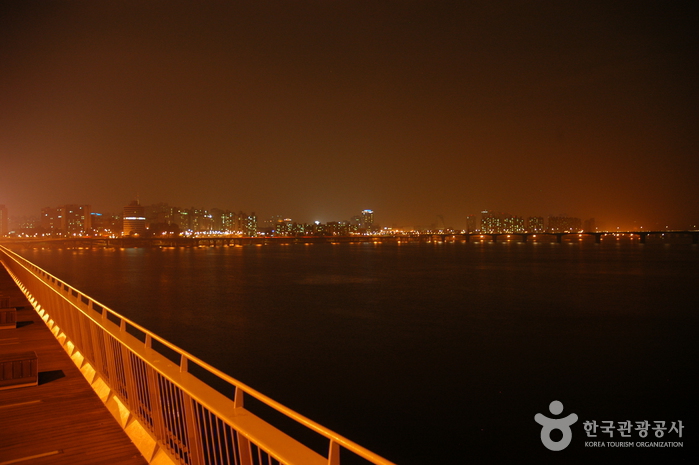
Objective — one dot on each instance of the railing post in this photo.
(238, 400)
(192, 432)
(334, 453)
(244, 450)
(183, 364)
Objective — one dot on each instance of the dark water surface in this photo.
(430, 353)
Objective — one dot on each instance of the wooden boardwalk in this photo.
(60, 421)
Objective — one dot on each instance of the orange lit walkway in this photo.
(60, 421)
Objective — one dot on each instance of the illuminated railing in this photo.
(147, 383)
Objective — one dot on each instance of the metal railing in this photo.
(189, 420)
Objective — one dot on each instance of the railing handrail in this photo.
(314, 426)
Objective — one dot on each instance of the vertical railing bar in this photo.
(135, 385)
(191, 429)
(203, 422)
(217, 445)
(226, 428)
(120, 378)
(198, 437)
(172, 402)
(128, 388)
(163, 410)
(206, 423)
(212, 448)
(171, 415)
(147, 398)
(113, 376)
(182, 421)
(221, 441)
(197, 456)
(156, 408)
(226, 443)
(236, 449)
(137, 368)
(219, 457)
(168, 412)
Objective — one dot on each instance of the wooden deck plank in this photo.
(62, 413)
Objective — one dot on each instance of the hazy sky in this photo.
(316, 110)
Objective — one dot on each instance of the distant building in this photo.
(512, 224)
(589, 225)
(76, 219)
(4, 222)
(50, 219)
(67, 219)
(535, 224)
(491, 222)
(217, 219)
(250, 226)
(134, 219)
(23, 224)
(200, 220)
(338, 228)
(228, 219)
(162, 213)
(103, 224)
(283, 227)
(367, 220)
(471, 223)
(564, 224)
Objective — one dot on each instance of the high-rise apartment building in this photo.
(535, 224)
(367, 220)
(76, 219)
(250, 225)
(67, 219)
(491, 222)
(50, 219)
(512, 224)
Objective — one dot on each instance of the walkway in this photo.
(60, 421)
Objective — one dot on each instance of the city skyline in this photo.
(139, 218)
(315, 110)
(464, 222)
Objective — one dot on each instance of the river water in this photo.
(430, 353)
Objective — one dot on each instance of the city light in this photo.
(163, 221)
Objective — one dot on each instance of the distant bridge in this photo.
(525, 236)
(209, 241)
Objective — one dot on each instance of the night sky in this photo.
(315, 110)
